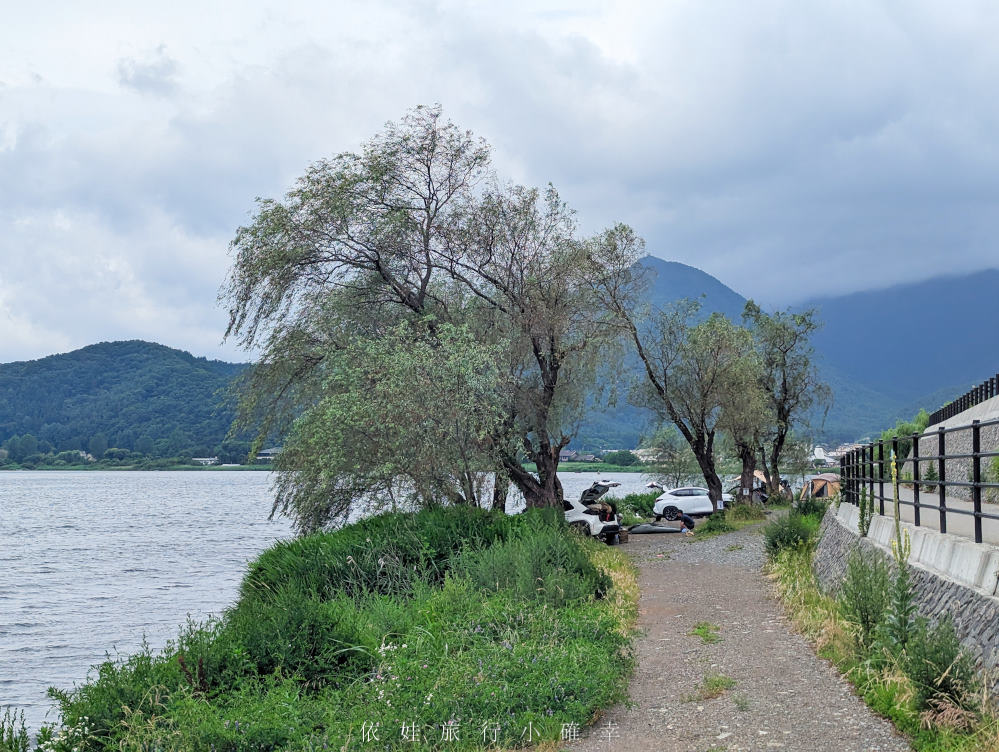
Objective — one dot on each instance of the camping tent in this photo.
(823, 485)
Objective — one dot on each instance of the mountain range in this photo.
(885, 353)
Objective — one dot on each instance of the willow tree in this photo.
(789, 379)
(409, 235)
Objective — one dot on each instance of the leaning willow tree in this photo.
(421, 326)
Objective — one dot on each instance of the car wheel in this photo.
(580, 527)
(672, 514)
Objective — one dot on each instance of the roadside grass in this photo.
(720, 523)
(712, 686)
(707, 631)
(944, 727)
(451, 617)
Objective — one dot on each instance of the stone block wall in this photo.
(975, 614)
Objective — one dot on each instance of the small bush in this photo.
(639, 505)
(930, 477)
(937, 666)
(714, 523)
(544, 564)
(793, 530)
(864, 595)
(813, 506)
(13, 735)
(386, 554)
(740, 512)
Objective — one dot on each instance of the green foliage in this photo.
(13, 734)
(715, 523)
(791, 531)
(707, 631)
(407, 410)
(865, 511)
(740, 512)
(502, 624)
(386, 554)
(900, 613)
(123, 391)
(931, 475)
(622, 457)
(639, 504)
(865, 595)
(903, 430)
(937, 665)
(813, 506)
(542, 564)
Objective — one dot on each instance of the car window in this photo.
(698, 492)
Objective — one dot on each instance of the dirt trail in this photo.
(783, 697)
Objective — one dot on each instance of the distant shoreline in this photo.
(134, 468)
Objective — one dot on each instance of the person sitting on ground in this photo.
(686, 524)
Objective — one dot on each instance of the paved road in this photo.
(784, 697)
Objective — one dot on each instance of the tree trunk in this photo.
(706, 461)
(501, 489)
(748, 480)
(543, 491)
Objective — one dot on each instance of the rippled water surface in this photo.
(92, 561)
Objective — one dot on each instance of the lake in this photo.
(93, 562)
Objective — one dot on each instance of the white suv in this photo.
(590, 516)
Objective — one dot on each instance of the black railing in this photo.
(869, 467)
(976, 395)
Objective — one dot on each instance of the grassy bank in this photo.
(449, 629)
(905, 669)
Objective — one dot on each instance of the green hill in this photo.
(133, 395)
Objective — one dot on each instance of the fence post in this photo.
(942, 472)
(881, 468)
(870, 479)
(915, 479)
(976, 477)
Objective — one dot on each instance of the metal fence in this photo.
(869, 468)
(986, 390)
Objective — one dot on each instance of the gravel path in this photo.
(783, 697)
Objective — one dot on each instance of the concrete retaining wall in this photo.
(959, 442)
(950, 575)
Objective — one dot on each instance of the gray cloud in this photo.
(155, 75)
(851, 143)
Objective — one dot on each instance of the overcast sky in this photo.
(783, 146)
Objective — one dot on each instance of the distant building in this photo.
(205, 460)
(268, 455)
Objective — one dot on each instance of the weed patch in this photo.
(712, 686)
(707, 631)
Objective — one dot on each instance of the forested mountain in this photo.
(885, 353)
(134, 395)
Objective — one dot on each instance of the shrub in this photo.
(639, 504)
(544, 563)
(714, 523)
(323, 642)
(864, 595)
(793, 530)
(931, 475)
(740, 512)
(813, 507)
(384, 554)
(937, 665)
(13, 735)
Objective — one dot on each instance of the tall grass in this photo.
(449, 616)
(926, 688)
